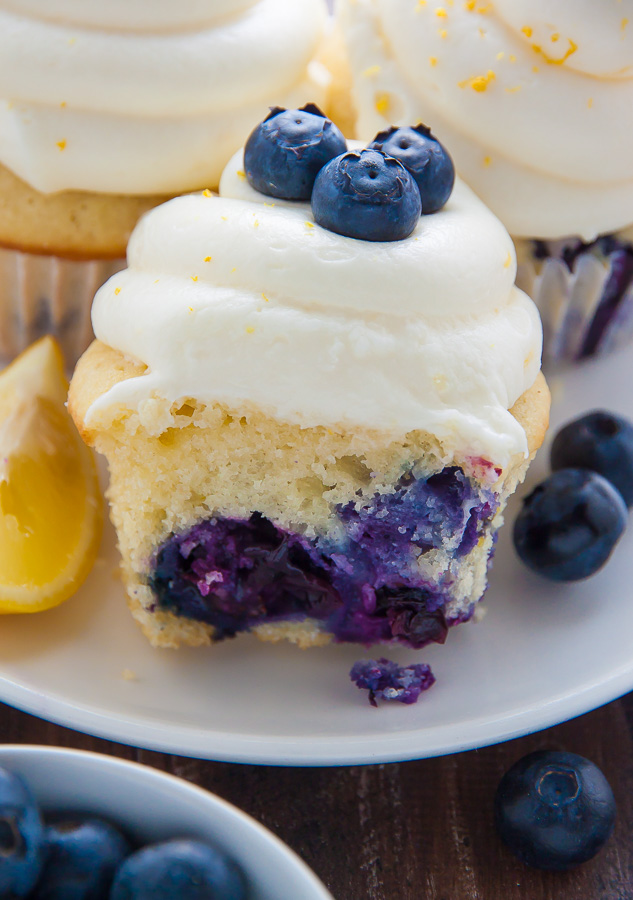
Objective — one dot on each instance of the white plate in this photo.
(542, 654)
(152, 806)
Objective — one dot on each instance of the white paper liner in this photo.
(567, 302)
(48, 295)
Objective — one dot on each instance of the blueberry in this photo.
(421, 153)
(602, 442)
(21, 838)
(81, 859)
(188, 870)
(286, 151)
(368, 195)
(569, 525)
(554, 809)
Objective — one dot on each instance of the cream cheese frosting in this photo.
(242, 299)
(138, 97)
(533, 98)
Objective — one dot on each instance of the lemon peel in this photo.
(51, 510)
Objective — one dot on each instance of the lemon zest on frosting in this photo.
(479, 83)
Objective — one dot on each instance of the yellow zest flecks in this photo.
(432, 61)
(513, 90)
(508, 261)
(623, 24)
(265, 298)
(208, 258)
(256, 223)
(381, 103)
(556, 62)
(117, 290)
(157, 280)
(190, 308)
(194, 277)
(555, 37)
(207, 193)
(443, 33)
(487, 161)
(479, 83)
(224, 218)
(63, 104)
(249, 329)
(512, 58)
(61, 144)
(71, 41)
(483, 9)
(269, 205)
(590, 102)
(309, 224)
(241, 174)
(234, 269)
(535, 69)
(527, 31)
(500, 55)
(440, 12)
(482, 32)
(421, 4)
(371, 71)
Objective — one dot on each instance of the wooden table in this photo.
(408, 831)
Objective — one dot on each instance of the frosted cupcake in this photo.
(107, 109)
(535, 101)
(310, 435)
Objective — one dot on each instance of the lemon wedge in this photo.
(50, 503)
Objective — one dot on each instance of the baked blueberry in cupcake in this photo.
(108, 109)
(535, 101)
(313, 410)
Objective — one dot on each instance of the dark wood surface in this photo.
(408, 831)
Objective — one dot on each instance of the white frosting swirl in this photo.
(533, 98)
(244, 299)
(131, 96)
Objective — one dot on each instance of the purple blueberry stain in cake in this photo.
(386, 680)
(362, 581)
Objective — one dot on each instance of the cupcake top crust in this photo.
(138, 97)
(534, 98)
(244, 299)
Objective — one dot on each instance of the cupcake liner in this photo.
(584, 293)
(42, 294)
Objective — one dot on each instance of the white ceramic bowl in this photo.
(152, 806)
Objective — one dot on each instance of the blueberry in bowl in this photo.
(285, 153)
(569, 525)
(21, 837)
(189, 870)
(554, 809)
(368, 195)
(602, 442)
(82, 856)
(425, 158)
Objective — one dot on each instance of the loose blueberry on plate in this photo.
(569, 525)
(188, 870)
(285, 153)
(368, 195)
(21, 838)
(386, 680)
(426, 159)
(602, 442)
(554, 810)
(82, 857)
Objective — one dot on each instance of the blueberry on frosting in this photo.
(425, 158)
(286, 151)
(368, 195)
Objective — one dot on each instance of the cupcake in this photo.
(110, 108)
(535, 101)
(311, 435)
